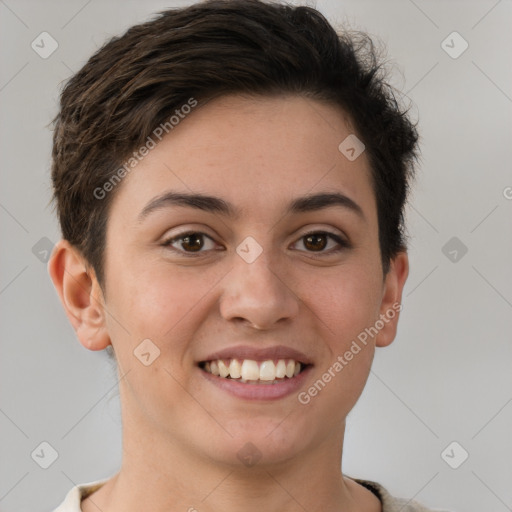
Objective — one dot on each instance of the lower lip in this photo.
(258, 391)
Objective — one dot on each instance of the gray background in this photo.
(447, 377)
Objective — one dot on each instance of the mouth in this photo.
(257, 373)
(251, 371)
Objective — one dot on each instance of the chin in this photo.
(261, 442)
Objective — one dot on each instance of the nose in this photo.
(257, 295)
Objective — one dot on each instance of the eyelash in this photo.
(342, 244)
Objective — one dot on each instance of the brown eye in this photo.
(322, 242)
(315, 241)
(191, 242)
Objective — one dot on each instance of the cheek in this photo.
(161, 303)
(342, 306)
(347, 305)
(346, 300)
(165, 306)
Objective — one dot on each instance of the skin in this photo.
(181, 434)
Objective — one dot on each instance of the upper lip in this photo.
(241, 352)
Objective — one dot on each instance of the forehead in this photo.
(255, 152)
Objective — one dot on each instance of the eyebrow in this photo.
(309, 203)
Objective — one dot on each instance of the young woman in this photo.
(230, 180)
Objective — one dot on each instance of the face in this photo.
(278, 260)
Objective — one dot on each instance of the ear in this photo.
(80, 294)
(392, 298)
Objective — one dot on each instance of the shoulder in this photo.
(78, 493)
(393, 504)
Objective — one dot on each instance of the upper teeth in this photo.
(248, 369)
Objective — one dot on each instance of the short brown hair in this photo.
(218, 47)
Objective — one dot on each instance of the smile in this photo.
(250, 371)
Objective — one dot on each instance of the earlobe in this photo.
(392, 299)
(80, 294)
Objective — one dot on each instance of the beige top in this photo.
(389, 504)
